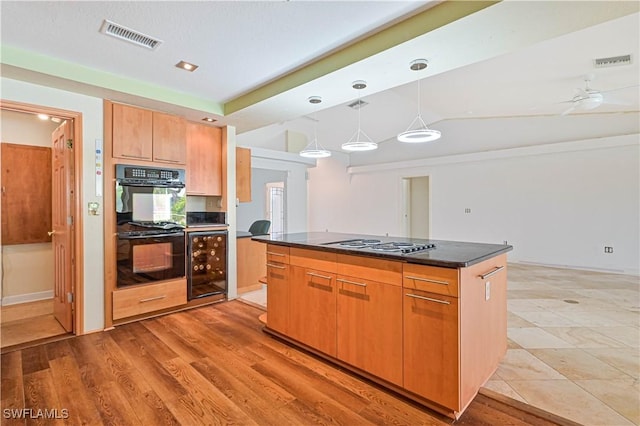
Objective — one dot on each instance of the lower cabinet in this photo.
(431, 347)
(312, 308)
(278, 296)
(129, 302)
(369, 327)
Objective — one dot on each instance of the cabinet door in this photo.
(312, 308)
(243, 174)
(369, 327)
(169, 138)
(431, 346)
(132, 132)
(278, 297)
(204, 160)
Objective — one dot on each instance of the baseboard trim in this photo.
(25, 298)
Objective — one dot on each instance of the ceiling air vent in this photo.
(127, 34)
(358, 104)
(613, 61)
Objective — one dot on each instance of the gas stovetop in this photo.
(388, 247)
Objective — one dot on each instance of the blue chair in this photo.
(260, 227)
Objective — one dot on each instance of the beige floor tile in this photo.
(566, 399)
(624, 359)
(621, 395)
(547, 319)
(567, 305)
(577, 364)
(592, 318)
(542, 294)
(521, 305)
(630, 336)
(519, 364)
(584, 337)
(503, 388)
(534, 337)
(516, 321)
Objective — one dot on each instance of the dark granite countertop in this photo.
(448, 254)
(243, 234)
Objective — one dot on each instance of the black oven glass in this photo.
(144, 258)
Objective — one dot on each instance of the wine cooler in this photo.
(207, 263)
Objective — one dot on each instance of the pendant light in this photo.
(359, 141)
(314, 149)
(421, 133)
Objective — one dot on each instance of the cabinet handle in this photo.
(427, 280)
(275, 266)
(351, 282)
(196, 192)
(135, 156)
(167, 160)
(415, 296)
(488, 274)
(151, 299)
(275, 254)
(318, 275)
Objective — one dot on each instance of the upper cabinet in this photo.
(243, 174)
(204, 160)
(140, 134)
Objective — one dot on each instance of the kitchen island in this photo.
(425, 318)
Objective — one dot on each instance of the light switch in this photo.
(487, 290)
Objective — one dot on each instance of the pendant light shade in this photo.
(359, 141)
(420, 133)
(314, 149)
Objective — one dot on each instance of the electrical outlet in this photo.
(505, 243)
(467, 210)
(487, 290)
(608, 249)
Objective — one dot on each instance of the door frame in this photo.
(405, 203)
(78, 239)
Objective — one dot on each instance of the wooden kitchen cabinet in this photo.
(312, 299)
(431, 347)
(144, 135)
(204, 160)
(169, 138)
(243, 174)
(132, 136)
(278, 288)
(132, 301)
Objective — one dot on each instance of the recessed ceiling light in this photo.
(43, 116)
(315, 99)
(187, 66)
(209, 119)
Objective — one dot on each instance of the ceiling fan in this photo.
(589, 98)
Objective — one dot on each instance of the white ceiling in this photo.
(512, 62)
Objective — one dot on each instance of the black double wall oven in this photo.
(150, 212)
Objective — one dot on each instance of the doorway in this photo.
(275, 207)
(60, 315)
(416, 217)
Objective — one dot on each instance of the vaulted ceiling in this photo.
(510, 64)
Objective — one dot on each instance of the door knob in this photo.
(50, 233)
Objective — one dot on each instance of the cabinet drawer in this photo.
(380, 270)
(277, 254)
(430, 278)
(140, 300)
(314, 259)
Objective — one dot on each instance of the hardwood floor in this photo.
(28, 322)
(209, 365)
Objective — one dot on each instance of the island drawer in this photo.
(380, 270)
(313, 259)
(277, 254)
(430, 278)
(133, 301)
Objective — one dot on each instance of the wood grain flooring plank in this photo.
(12, 387)
(152, 345)
(213, 401)
(187, 348)
(260, 399)
(74, 394)
(60, 349)
(34, 359)
(41, 397)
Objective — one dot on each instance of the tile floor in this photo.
(574, 343)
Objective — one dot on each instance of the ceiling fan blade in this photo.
(619, 88)
(567, 111)
(613, 101)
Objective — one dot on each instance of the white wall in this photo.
(92, 126)
(247, 213)
(557, 204)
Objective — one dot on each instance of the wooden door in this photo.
(312, 308)
(204, 160)
(243, 174)
(369, 326)
(62, 221)
(278, 297)
(431, 347)
(169, 138)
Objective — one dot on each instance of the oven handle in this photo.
(154, 184)
(147, 236)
